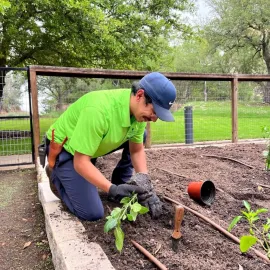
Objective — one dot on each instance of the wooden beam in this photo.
(130, 74)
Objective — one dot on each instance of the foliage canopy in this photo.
(242, 27)
(100, 33)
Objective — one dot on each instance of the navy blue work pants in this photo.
(79, 195)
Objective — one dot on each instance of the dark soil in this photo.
(201, 246)
(23, 241)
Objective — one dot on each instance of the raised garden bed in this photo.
(201, 246)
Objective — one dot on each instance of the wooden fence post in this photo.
(234, 85)
(148, 137)
(34, 96)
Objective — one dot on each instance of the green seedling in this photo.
(266, 153)
(256, 234)
(129, 211)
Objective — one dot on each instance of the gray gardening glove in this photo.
(124, 190)
(149, 198)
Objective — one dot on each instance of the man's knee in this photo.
(90, 214)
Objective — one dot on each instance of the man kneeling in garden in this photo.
(99, 123)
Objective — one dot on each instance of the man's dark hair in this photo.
(134, 89)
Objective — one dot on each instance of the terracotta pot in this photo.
(202, 192)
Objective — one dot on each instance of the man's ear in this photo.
(139, 94)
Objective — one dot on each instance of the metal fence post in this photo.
(188, 124)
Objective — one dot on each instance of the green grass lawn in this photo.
(211, 122)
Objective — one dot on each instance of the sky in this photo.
(202, 15)
(203, 10)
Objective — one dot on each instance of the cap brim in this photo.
(163, 114)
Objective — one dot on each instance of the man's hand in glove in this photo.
(124, 190)
(149, 198)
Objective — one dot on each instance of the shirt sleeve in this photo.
(89, 131)
(138, 137)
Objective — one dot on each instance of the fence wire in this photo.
(15, 120)
(210, 103)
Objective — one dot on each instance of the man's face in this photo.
(143, 112)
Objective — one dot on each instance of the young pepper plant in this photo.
(130, 210)
(266, 153)
(256, 234)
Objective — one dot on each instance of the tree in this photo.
(4, 4)
(13, 91)
(193, 55)
(112, 34)
(241, 28)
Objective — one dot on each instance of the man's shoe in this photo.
(48, 171)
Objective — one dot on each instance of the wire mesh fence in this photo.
(210, 111)
(210, 103)
(16, 144)
(202, 110)
(253, 111)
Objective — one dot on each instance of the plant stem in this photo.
(258, 232)
(125, 208)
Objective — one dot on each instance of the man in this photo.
(97, 124)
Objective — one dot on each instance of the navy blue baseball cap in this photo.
(162, 92)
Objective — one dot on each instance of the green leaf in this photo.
(143, 210)
(5, 4)
(246, 242)
(130, 217)
(116, 212)
(261, 210)
(246, 214)
(119, 238)
(266, 228)
(134, 214)
(110, 224)
(265, 153)
(234, 222)
(125, 200)
(254, 219)
(247, 205)
(136, 207)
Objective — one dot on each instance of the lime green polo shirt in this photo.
(98, 123)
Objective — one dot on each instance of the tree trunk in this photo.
(266, 57)
(2, 81)
(2, 85)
